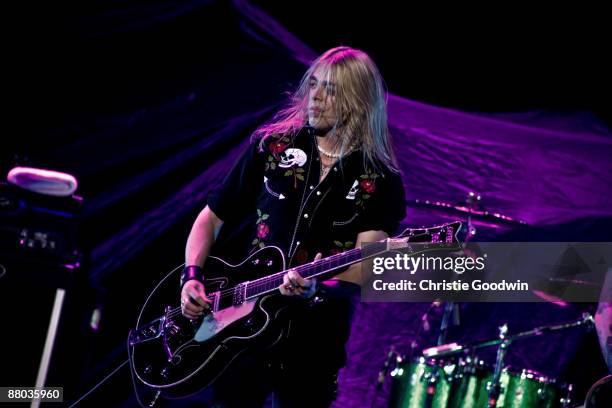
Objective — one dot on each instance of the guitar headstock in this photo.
(439, 235)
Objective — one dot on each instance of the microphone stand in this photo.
(451, 309)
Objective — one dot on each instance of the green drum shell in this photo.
(454, 384)
(529, 389)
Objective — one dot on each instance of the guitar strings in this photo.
(264, 281)
(268, 279)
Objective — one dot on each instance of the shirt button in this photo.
(305, 215)
(335, 169)
(297, 243)
(318, 193)
(311, 187)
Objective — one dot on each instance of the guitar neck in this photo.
(427, 239)
(323, 268)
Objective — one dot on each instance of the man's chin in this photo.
(318, 129)
(316, 124)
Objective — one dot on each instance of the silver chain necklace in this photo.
(324, 169)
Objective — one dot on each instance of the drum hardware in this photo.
(450, 349)
(451, 375)
(392, 355)
(494, 387)
(451, 309)
(385, 367)
(567, 400)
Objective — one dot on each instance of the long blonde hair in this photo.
(360, 104)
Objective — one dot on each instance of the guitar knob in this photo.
(165, 372)
(255, 261)
(269, 263)
(148, 369)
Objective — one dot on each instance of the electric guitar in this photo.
(178, 357)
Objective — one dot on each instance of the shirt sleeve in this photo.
(238, 192)
(387, 206)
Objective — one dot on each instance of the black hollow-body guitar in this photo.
(178, 357)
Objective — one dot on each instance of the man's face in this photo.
(321, 111)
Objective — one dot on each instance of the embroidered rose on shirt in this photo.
(368, 186)
(276, 149)
(262, 230)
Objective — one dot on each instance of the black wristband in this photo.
(191, 272)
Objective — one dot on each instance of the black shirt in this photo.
(275, 188)
(273, 196)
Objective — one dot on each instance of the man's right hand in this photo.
(193, 299)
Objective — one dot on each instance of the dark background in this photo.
(476, 59)
(76, 60)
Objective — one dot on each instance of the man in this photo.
(319, 179)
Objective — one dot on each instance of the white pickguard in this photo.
(213, 323)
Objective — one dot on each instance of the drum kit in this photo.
(450, 375)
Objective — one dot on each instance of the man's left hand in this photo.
(295, 285)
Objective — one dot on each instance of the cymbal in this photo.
(552, 289)
(480, 216)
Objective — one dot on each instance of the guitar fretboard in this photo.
(431, 238)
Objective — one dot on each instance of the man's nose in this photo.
(317, 93)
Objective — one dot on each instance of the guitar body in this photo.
(180, 357)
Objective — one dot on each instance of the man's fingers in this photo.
(190, 305)
(198, 301)
(198, 298)
(295, 285)
(287, 288)
(318, 256)
(193, 308)
(287, 284)
(188, 315)
(297, 280)
(194, 300)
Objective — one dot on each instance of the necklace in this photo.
(328, 154)
(324, 169)
(333, 155)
